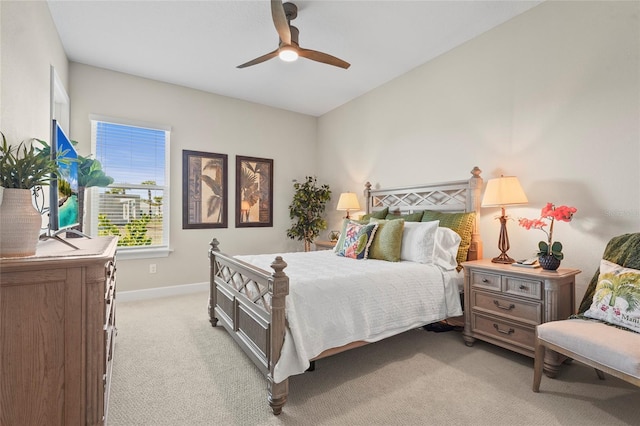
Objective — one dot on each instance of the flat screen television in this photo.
(63, 187)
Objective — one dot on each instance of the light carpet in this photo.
(172, 368)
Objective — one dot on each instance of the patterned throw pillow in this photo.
(462, 223)
(387, 241)
(617, 296)
(343, 229)
(357, 240)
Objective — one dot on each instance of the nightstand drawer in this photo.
(522, 287)
(507, 331)
(485, 280)
(529, 312)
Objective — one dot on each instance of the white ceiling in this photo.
(198, 44)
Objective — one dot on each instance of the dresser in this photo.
(57, 325)
(504, 303)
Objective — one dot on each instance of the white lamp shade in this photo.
(348, 201)
(503, 191)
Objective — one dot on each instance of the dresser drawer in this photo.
(516, 334)
(529, 312)
(522, 287)
(485, 280)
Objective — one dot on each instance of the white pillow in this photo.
(445, 251)
(418, 241)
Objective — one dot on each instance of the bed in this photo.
(325, 303)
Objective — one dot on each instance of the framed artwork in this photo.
(204, 190)
(254, 192)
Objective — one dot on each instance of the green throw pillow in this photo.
(387, 241)
(410, 217)
(380, 214)
(462, 223)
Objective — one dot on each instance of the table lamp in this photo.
(500, 192)
(348, 201)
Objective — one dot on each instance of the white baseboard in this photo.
(153, 293)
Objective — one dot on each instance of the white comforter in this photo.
(335, 300)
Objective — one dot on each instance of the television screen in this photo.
(64, 210)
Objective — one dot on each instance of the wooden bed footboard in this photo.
(250, 304)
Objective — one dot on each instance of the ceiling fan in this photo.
(288, 49)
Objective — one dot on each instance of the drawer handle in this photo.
(508, 332)
(523, 287)
(484, 280)
(506, 308)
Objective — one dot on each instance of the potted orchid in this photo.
(549, 252)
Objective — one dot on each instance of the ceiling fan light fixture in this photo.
(288, 53)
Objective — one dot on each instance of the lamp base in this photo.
(503, 258)
(503, 242)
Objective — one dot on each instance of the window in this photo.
(135, 207)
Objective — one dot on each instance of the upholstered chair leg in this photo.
(538, 365)
(600, 374)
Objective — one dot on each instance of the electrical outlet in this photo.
(152, 268)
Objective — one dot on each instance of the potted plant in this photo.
(549, 252)
(306, 209)
(90, 174)
(22, 169)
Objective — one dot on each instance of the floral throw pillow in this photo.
(617, 296)
(357, 240)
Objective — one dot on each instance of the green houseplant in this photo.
(24, 166)
(306, 209)
(90, 174)
(22, 169)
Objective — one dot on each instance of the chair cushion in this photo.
(609, 346)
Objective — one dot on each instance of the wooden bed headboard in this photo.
(453, 197)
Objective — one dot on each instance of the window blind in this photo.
(135, 206)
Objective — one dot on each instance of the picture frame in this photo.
(204, 190)
(254, 192)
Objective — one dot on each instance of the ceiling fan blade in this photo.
(260, 59)
(323, 57)
(280, 21)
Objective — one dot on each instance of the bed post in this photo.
(367, 196)
(279, 283)
(475, 201)
(213, 271)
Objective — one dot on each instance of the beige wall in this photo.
(201, 122)
(29, 46)
(551, 96)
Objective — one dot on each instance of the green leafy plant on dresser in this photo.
(23, 169)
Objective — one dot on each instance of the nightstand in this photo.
(324, 244)
(504, 303)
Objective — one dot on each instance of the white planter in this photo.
(19, 224)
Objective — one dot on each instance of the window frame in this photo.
(136, 252)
